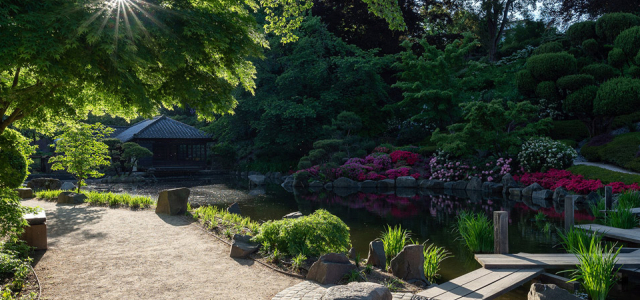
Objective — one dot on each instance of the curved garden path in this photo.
(103, 253)
(606, 166)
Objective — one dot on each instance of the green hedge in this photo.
(601, 72)
(609, 26)
(575, 82)
(617, 96)
(551, 66)
(581, 101)
(606, 176)
(621, 151)
(581, 31)
(574, 130)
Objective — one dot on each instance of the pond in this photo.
(428, 215)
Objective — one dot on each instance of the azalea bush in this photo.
(543, 153)
(554, 178)
(445, 168)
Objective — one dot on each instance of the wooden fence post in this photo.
(568, 212)
(608, 197)
(500, 232)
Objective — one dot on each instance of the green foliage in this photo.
(525, 82)
(497, 127)
(550, 47)
(575, 82)
(626, 120)
(330, 145)
(548, 90)
(132, 153)
(213, 217)
(617, 59)
(11, 212)
(617, 96)
(551, 66)
(629, 42)
(629, 199)
(14, 158)
(581, 101)
(393, 284)
(540, 154)
(298, 261)
(14, 267)
(104, 199)
(433, 257)
(596, 269)
(312, 235)
(354, 276)
(575, 239)
(476, 230)
(591, 46)
(622, 217)
(606, 176)
(621, 151)
(568, 130)
(601, 72)
(634, 72)
(581, 31)
(609, 26)
(81, 152)
(348, 121)
(394, 239)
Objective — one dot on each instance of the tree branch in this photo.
(15, 78)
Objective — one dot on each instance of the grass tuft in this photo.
(394, 240)
(433, 257)
(220, 217)
(476, 230)
(576, 238)
(104, 199)
(596, 270)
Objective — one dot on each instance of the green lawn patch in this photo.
(104, 199)
(622, 151)
(606, 176)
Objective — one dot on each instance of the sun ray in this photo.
(137, 20)
(117, 25)
(126, 21)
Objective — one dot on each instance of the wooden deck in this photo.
(629, 235)
(546, 261)
(481, 284)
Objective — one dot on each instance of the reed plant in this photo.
(476, 230)
(597, 210)
(622, 217)
(629, 199)
(575, 238)
(433, 257)
(394, 240)
(596, 269)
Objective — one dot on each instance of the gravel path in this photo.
(606, 166)
(103, 253)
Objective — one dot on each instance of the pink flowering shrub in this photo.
(352, 170)
(370, 176)
(378, 161)
(409, 158)
(446, 169)
(395, 173)
(554, 178)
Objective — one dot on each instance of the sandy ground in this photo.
(103, 253)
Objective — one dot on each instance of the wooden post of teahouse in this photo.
(608, 197)
(500, 232)
(568, 213)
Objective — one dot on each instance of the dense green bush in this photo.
(609, 26)
(312, 235)
(575, 82)
(525, 83)
(629, 42)
(581, 31)
(551, 47)
(617, 59)
(601, 72)
(304, 163)
(14, 160)
(634, 72)
(551, 66)
(328, 145)
(548, 90)
(591, 46)
(317, 155)
(617, 96)
(581, 101)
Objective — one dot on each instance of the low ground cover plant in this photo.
(476, 230)
(221, 220)
(104, 199)
(606, 176)
(14, 269)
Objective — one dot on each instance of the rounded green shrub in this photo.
(634, 72)
(617, 96)
(551, 66)
(609, 26)
(591, 46)
(629, 42)
(550, 47)
(525, 83)
(542, 153)
(575, 82)
(617, 58)
(584, 61)
(548, 90)
(601, 72)
(338, 157)
(581, 101)
(317, 154)
(581, 31)
(13, 159)
(304, 163)
(328, 145)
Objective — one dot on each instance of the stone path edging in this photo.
(309, 290)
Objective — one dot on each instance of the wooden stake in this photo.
(608, 197)
(500, 232)
(568, 213)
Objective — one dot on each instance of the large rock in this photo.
(508, 182)
(406, 182)
(316, 184)
(242, 246)
(234, 208)
(515, 193)
(330, 268)
(543, 194)
(460, 185)
(344, 183)
(276, 176)
(38, 184)
(25, 193)
(173, 201)
(377, 257)
(448, 185)
(432, 184)
(386, 184)
(328, 186)
(293, 215)
(71, 198)
(257, 179)
(68, 186)
(541, 291)
(358, 290)
(368, 185)
(475, 184)
(528, 191)
(559, 194)
(409, 264)
(288, 182)
(492, 187)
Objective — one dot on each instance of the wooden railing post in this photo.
(568, 212)
(500, 232)
(608, 197)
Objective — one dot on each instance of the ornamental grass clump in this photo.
(394, 240)
(476, 230)
(433, 257)
(214, 218)
(576, 238)
(312, 235)
(48, 194)
(113, 200)
(629, 199)
(622, 217)
(596, 269)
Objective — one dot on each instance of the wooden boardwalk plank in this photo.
(471, 287)
(547, 261)
(629, 235)
(454, 283)
(507, 284)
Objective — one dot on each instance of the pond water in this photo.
(427, 214)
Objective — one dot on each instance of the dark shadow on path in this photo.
(180, 220)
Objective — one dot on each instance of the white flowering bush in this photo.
(543, 153)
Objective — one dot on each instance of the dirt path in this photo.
(102, 253)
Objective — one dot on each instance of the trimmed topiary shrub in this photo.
(584, 61)
(304, 163)
(581, 31)
(548, 90)
(525, 83)
(617, 58)
(14, 161)
(609, 26)
(575, 82)
(574, 130)
(581, 101)
(591, 46)
(601, 72)
(328, 145)
(551, 66)
(551, 47)
(629, 42)
(617, 96)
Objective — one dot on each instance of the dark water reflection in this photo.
(428, 215)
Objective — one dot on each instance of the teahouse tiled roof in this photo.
(161, 127)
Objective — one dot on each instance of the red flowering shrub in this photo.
(405, 156)
(553, 179)
(395, 173)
